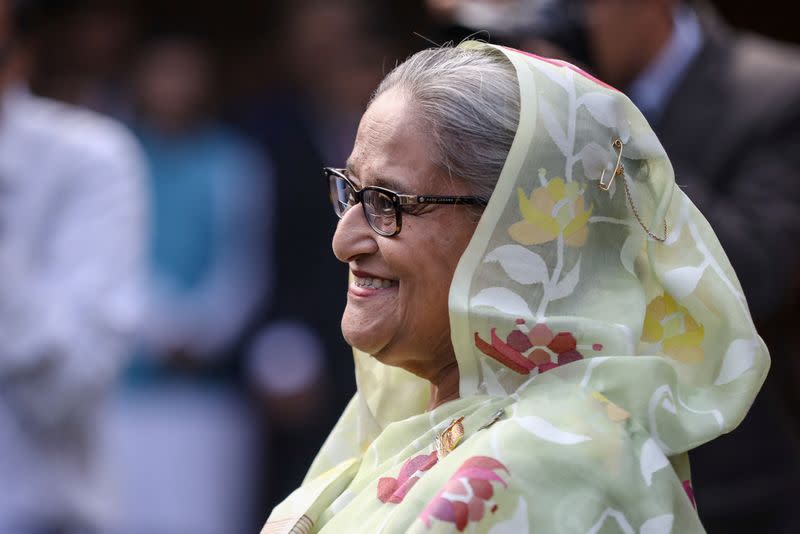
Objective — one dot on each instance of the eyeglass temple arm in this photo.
(434, 199)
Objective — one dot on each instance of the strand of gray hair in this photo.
(469, 101)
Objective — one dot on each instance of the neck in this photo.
(641, 48)
(12, 70)
(6, 74)
(653, 42)
(444, 386)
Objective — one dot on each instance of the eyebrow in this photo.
(379, 180)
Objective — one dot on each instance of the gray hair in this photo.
(469, 100)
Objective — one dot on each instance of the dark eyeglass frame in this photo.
(399, 200)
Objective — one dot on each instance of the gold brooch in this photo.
(449, 439)
(495, 418)
(605, 185)
(619, 170)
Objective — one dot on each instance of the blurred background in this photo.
(230, 369)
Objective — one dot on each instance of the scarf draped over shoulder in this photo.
(600, 334)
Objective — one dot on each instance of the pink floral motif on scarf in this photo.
(538, 348)
(687, 487)
(467, 494)
(394, 490)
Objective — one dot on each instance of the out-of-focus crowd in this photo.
(170, 354)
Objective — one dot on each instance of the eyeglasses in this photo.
(382, 207)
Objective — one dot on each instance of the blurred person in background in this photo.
(184, 445)
(72, 217)
(87, 53)
(332, 57)
(726, 106)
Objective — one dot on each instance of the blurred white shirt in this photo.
(72, 229)
(651, 90)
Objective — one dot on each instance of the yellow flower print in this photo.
(672, 325)
(552, 210)
(614, 412)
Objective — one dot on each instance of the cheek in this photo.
(430, 265)
(427, 314)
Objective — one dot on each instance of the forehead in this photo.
(392, 147)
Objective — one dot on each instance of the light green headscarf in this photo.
(600, 335)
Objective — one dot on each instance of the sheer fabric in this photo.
(600, 336)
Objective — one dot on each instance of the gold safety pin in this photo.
(618, 168)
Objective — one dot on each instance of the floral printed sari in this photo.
(600, 334)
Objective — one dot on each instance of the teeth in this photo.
(377, 283)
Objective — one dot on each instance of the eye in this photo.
(378, 203)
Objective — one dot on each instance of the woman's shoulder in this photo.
(557, 464)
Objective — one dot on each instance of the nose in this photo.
(353, 236)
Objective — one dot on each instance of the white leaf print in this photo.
(560, 75)
(618, 516)
(567, 284)
(520, 264)
(661, 524)
(738, 358)
(491, 382)
(630, 249)
(518, 524)
(716, 414)
(594, 362)
(651, 460)
(661, 396)
(553, 127)
(681, 282)
(504, 300)
(546, 431)
(643, 145)
(607, 111)
(677, 226)
(595, 159)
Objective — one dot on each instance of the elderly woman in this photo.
(540, 364)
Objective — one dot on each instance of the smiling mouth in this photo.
(374, 283)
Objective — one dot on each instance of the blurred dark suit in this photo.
(311, 284)
(732, 130)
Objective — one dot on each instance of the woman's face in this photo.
(405, 324)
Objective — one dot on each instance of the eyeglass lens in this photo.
(380, 211)
(379, 207)
(342, 195)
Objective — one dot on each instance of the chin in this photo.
(375, 347)
(362, 340)
(368, 330)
